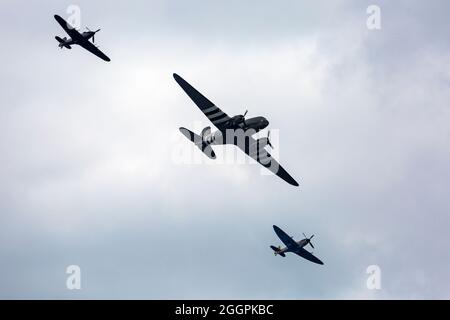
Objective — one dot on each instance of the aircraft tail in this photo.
(198, 141)
(277, 251)
(61, 43)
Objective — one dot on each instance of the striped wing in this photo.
(214, 114)
(260, 155)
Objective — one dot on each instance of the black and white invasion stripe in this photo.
(215, 115)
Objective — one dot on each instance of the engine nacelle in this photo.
(262, 142)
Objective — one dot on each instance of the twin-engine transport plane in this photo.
(296, 247)
(232, 130)
(81, 39)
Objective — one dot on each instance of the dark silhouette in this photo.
(81, 39)
(296, 247)
(232, 130)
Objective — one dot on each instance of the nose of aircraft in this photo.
(264, 122)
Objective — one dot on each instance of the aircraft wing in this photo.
(89, 46)
(287, 240)
(211, 111)
(71, 31)
(307, 255)
(265, 159)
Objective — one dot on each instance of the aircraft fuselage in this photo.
(302, 243)
(236, 131)
(68, 42)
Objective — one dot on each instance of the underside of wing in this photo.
(214, 114)
(287, 240)
(307, 255)
(86, 44)
(71, 31)
(260, 155)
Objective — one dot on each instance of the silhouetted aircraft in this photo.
(82, 39)
(294, 246)
(232, 130)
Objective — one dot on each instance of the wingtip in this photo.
(176, 77)
(283, 174)
(292, 181)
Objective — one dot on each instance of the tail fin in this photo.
(62, 43)
(198, 141)
(277, 251)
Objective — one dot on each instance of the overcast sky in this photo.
(88, 175)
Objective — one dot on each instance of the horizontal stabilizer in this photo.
(62, 43)
(277, 251)
(198, 141)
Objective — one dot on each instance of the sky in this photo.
(89, 167)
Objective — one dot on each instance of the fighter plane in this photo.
(296, 247)
(82, 39)
(235, 130)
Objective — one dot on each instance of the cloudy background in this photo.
(87, 170)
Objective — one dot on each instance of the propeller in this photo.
(268, 139)
(236, 120)
(308, 240)
(93, 36)
(243, 117)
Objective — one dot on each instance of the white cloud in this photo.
(87, 169)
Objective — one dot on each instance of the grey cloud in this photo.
(88, 179)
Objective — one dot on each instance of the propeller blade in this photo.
(268, 139)
(245, 113)
(311, 237)
(304, 235)
(310, 243)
